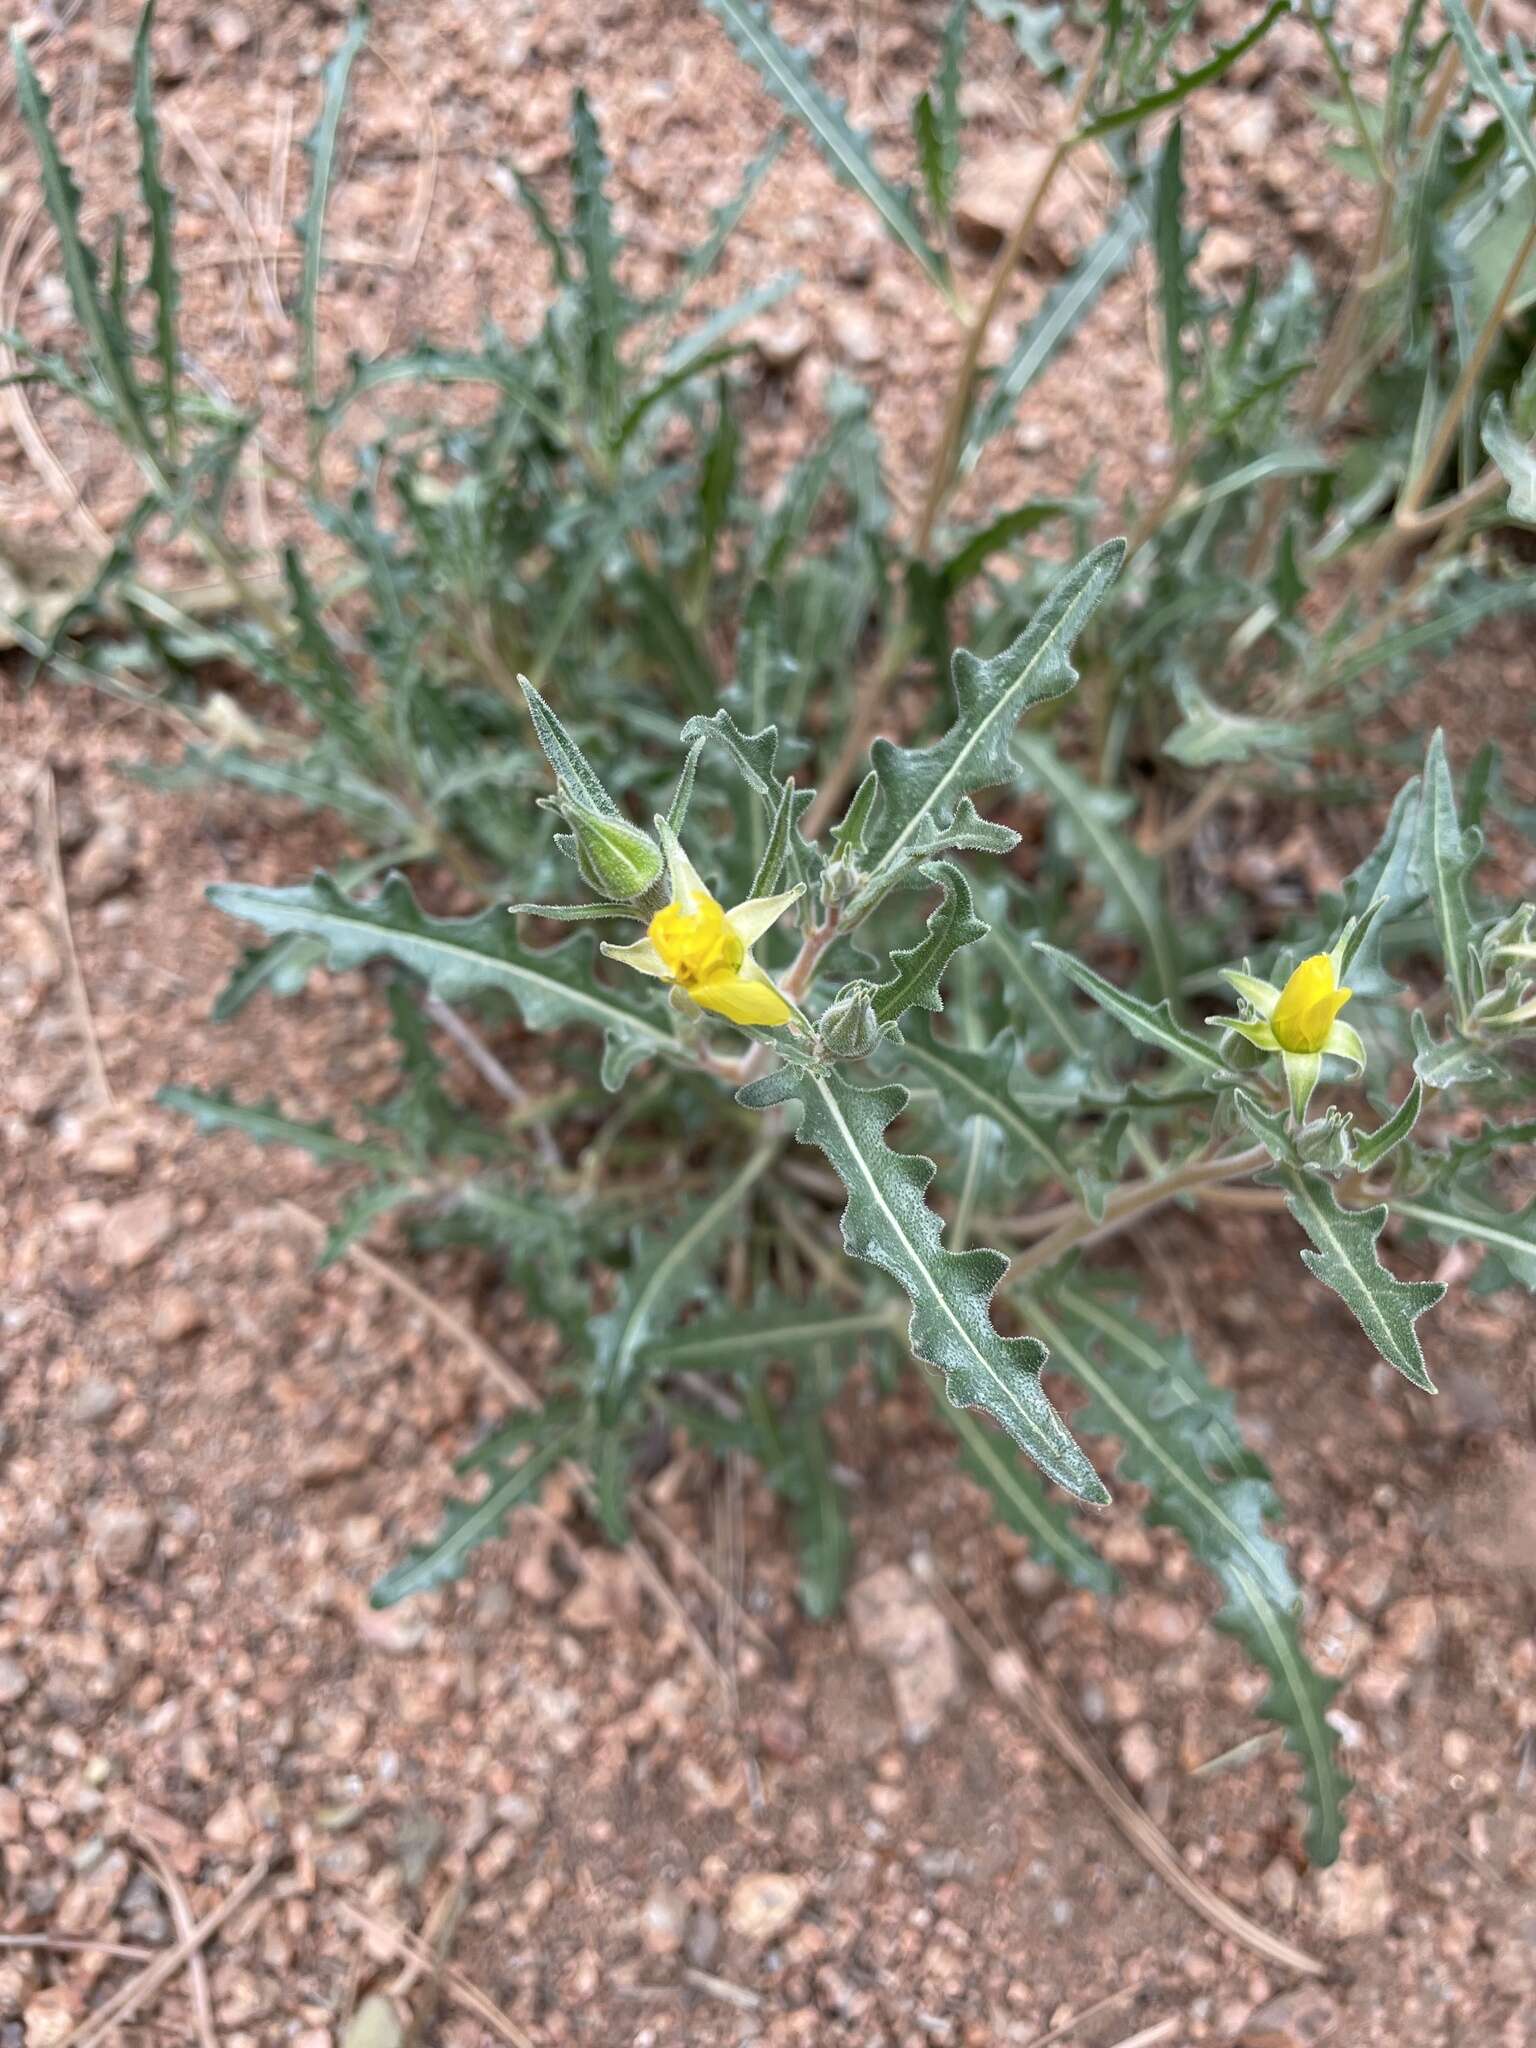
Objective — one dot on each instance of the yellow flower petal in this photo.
(742, 1001)
(751, 919)
(1308, 1004)
(642, 956)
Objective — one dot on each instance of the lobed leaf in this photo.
(787, 74)
(217, 1110)
(980, 1083)
(919, 969)
(888, 1222)
(1155, 1027)
(458, 957)
(1346, 1260)
(921, 787)
(671, 1270)
(1447, 855)
(1023, 1504)
(1052, 324)
(468, 1524)
(321, 151)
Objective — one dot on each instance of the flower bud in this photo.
(617, 859)
(849, 1029)
(1237, 1055)
(1328, 1143)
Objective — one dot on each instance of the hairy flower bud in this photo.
(617, 859)
(849, 1029)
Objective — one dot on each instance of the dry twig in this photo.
(124, 2003)
(1078, 2019)
(53, 869)
(459, 1987)
(1015, 1679)
(182, 1914)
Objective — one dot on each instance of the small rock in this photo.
(18, 1973)
(1140, 1757)
(1279, 1884)
(995, 189)
(51, 2017)
(113, 1153)
(1355, 1900)
(231, 1827)
(703, 1940)
(895, 1621)
(1166, 1624)
(340, 1459)
(1223, 252)
(1297, 2019)
(857, 337)
(763, 1904)
(14, 1681)
(31, 946)
(375, 2024)
(105, 863)
(1248, 132)
(135, 1230)
(122, 1535)
(176, 1313)
(664, 1919)
(782, 343)
(95, 1401)
(1413, 1628)
(229, 29)
(11, 1814)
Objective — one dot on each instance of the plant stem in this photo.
(1406, 516)
(1003, 268)
(1132, 1202)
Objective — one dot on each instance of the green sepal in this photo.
(888, 1222)
(574, 773)
(849, 1028)
(617, 859)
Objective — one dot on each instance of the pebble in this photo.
(784, 342)
(176, 1313)
(1223, 252)
(1355, 1900)
(1140, 1757)
(122, 1534)
(105, 864)
(135, 1230)
(51, 2017)
(763, 1904)
(993, 193)
(895, 1622)
(231, 1827)
(1413, 1628)
(375, 2024)
(14, 1682)
(857, 337)
(229, 29)
(113, 1153)
(11, 1816)
(31, 946)
(95, 1401)
(702, 1944)
(1297, 2019)
(664, 1919)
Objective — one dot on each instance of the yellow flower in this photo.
(1309, 1002)
(1300, 1022)
(707, 951)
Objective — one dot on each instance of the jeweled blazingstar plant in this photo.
(706, 951)
(599, 521)
(1300, 1022)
